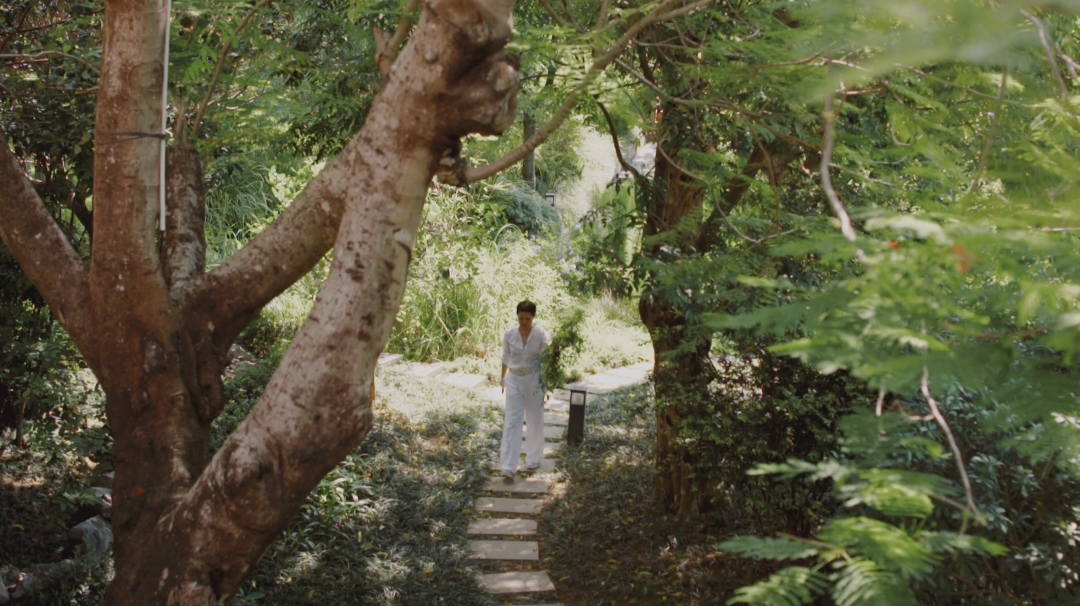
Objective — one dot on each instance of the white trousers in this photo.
(524, 404)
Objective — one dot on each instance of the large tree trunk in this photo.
(682, 368)
(153, 326)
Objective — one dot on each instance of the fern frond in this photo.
(862, 583)
(792, 586)
(769, 549)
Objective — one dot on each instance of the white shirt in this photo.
(524, 356)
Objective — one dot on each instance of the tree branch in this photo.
(924, 387)
(827, 118)
(615, 140)
(985, 154)
(386, 50)
(221, 65)
(43, 252)
(49, 53)
(473, 174)
(231, 294)
(1051, 57)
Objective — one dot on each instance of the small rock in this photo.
(239, 353)
(23, 583)
(104, 501)
(95, 533)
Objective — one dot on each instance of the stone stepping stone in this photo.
(419, 369)
(504, 505)
(506, 550)
(517, 582)
(546, 465)
(550, 433)
(503, 526)
(627, 372)
(464, 381)
(553, 418)
(516, 485)
(592, 388)
(557, 405)
(607, 380)
(386, 359)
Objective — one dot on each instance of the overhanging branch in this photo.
(479, 173)
(43, 252)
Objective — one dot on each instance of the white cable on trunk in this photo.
(164, 116)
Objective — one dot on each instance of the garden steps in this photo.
(526, 551)
(517, 582)
(508, 505)
(502, 526)
(517, 526)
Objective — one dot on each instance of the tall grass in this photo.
(461, 297)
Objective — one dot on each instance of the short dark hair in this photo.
(527, 306)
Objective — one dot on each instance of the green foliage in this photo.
(76, 582)
(564, 341)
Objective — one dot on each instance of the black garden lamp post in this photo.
(550, 198)
(575, 432)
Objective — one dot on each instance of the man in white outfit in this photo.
(522, 345)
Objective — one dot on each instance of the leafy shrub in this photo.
(77, 582)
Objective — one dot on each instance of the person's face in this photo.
(525, 320)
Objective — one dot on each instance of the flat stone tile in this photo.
(386, 359)
(504, 526)
(550, 433)
(464, 381)
(551, 448)
(607, 380)
(419, 369)
(516, 485)
(593, 388)
(517, 582)
(628, 372)
(554, 418)
(506, 550)
(546, 465)
(504, 505)
(557, 405)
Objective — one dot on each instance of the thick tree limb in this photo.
(226, 298)
(473, 174)
(43, 252)
(316, 409)
(183, 252)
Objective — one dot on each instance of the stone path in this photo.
(507, 526)
(507, 535)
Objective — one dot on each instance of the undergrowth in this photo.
(608, 541)
(387, 526)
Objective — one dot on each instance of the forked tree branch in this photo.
(386, 50)
(479, 173)
(44, 253)
(232, 293)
